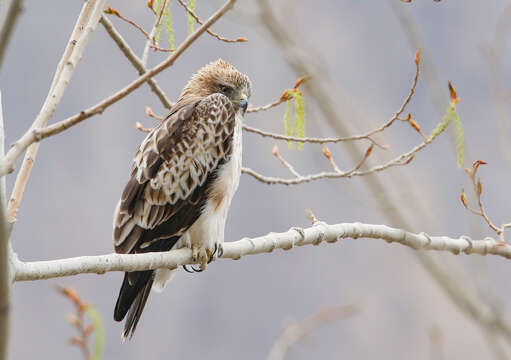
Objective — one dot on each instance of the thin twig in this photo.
(400, 160)
(134, 60)
(284, 97)
(478, 190)
(85, 26)
(112, 11)
(152, 36)
(312, 140)
(78, 320)
(329, 156)
(157, 48)
(215, 35)
(265, 107)
(367, 136)
(284, 162)
(35, 135)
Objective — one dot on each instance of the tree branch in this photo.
(84, 27)
(134, 60)
(314, 235)
(400, 160)
(36, 134)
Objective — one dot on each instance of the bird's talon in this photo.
(185, 267)
(205, 259)
(196, 270)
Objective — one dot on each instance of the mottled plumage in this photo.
(182, 181)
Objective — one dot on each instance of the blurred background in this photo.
(362, 54)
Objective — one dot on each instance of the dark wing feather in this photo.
(171, 175)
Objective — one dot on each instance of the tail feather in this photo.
(133, 295)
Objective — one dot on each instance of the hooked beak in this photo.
(242, 101)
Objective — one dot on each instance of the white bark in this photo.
(234, 250)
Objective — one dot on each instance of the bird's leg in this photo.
(212, 256)
(204, 256)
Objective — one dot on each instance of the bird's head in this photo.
(220, 77)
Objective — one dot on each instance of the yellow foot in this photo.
(203, 256)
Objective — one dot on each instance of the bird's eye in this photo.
(225, 89)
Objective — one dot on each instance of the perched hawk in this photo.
(183, 178)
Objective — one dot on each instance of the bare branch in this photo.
(215, 35)
(112, 11)
(35, 135)
(314, 235)
(311, 140)
(134, 60)
(84, 27)
(366, 136)
(400, 160)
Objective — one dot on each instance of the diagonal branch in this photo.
(85, 26)
(36, 134)
(134, 60)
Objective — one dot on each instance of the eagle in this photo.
(183, 178)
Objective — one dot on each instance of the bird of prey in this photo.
(183, 178)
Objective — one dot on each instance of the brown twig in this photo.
(78, 320)
(215, 35)
(112, 11)
(36, 134)
(329, 156)
(157, 48)
(284, 97)
(134, 60)
(478, 190)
